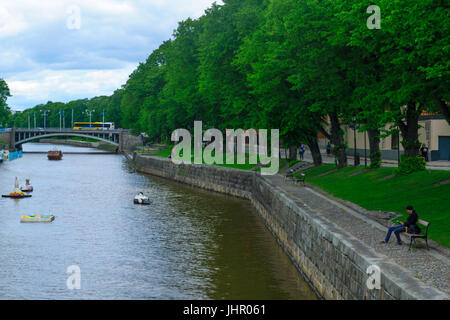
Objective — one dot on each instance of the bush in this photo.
(375, 160)
(411, 164)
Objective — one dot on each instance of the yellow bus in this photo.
(93, 126)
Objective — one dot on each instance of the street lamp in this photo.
(45, 117)
(354, 126)
(365, 148)
(90, 117)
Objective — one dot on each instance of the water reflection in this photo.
(189, 244)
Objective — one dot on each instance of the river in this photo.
(189, 244)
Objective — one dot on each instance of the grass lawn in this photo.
(165, 153)
(421, 190)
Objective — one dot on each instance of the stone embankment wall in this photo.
(333, 261)
(129, 142)
(5, 138)
(86, 144)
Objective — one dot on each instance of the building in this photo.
(434, 132)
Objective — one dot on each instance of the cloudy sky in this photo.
(61, 50)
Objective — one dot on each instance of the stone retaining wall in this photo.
(5, 138)
(333, 261)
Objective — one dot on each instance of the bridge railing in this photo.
(70, 130)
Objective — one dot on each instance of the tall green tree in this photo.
(267, 60)
(4, 94)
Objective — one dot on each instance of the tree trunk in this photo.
(292, 153)
(374, 145)
(315, 152)
(337, 140)
(445, 109)
(410, 130)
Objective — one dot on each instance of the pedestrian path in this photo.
(431, 267)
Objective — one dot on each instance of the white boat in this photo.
(140, 198)
(38, 218)
(27, 187)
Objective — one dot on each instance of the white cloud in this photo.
(65, 85)
(11, 24)
(41, 59)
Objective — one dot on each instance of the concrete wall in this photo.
(98, 145)
(5, 138)
(128, 142)
(333, 261)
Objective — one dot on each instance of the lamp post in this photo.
(354, 142)
(365, 148)
(29, 126)
(90, 117)
(35, 120)
(60, 120)
(398, 145)
(103, 121)
(45, 117)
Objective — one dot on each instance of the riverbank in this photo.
(382, 190)
(333, 256)
(77, 143)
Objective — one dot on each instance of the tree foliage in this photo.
(301, 66)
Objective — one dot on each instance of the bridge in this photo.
(15, 137)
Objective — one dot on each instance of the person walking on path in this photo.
(409, 226)
(302, 151)
(328, 148)
(424, 151)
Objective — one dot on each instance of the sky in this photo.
(63, 50)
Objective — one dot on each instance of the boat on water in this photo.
(45, 218)
(55, 155)
(140, 198)
(16, 194)
(4, 155)
(27, 187)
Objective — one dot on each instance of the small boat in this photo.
(55, 155)
(27, 187)
(141, 199)
(46, 218)
(16, 194)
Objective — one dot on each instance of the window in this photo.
(395, 141)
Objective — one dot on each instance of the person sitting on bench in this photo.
(410, 226)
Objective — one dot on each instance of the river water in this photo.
(189, 244)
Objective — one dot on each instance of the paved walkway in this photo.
(432, 267)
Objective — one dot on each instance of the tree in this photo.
(4, 94)
(412, 49)
(267, 60)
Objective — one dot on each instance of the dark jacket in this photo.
(411, 223)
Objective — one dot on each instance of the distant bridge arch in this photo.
(112, 137)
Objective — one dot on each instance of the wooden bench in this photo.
(421, 235)
(300, 179)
